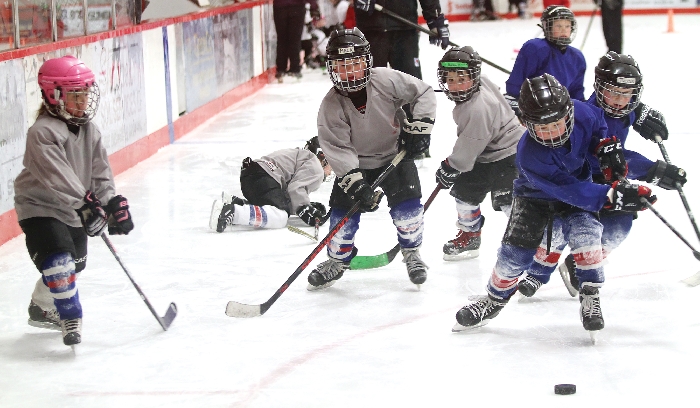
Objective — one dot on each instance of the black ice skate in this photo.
(222, 212)
(479, 312)
(45, 319)
(326, 273)
(464, 246)
(528, 286)
(591, 315)
(567, 270)
(71, 331)
(417, 269)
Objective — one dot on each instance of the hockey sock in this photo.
(265, 216)
(511, 262)
(343, 242)
(468, 216)
(59, 276)
(408, 219)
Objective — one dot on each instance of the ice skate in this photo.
(567, 270)
(417, 269)
(479, 312)
(326, 273)
(590, 312)
(464, 246)
(296, 75)
(222, 212)
(44, 319)
(528, 286)
(279, 76)
(71, 331)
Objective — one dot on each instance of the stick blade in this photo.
(235, 309)
(376, 261)
(692, 281)
(170, 315)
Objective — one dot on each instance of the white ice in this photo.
(372, 339)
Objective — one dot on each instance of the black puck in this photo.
(565, 389)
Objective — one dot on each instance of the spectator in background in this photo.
(611, 13)
(289, 25)
(483, 10)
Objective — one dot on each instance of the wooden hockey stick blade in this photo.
(376, 261)
(300, 232)
(235, 309)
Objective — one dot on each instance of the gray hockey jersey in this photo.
(298, 171)
(487, 129)
(351, 139)
(59, 168)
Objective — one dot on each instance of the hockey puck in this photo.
(565, 389)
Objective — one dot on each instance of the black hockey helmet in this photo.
(543, 100)
(465, 62)
(618, 77)
(314, 147)
(552, 14)
(346, 49)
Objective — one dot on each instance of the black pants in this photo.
(611, 13)
(398, 48)
(289, 25)
(259, 188)
(48, 236)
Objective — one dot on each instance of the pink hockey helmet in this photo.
(60, 76)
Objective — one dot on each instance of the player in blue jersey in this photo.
(552, 54)
(555, 191)
(618, 89)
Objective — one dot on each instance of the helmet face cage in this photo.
(555, 133)
(618, 84)
(554, 19)
(547, 110)
(69, 90)
(349, 60)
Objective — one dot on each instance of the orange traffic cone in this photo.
(669, 29)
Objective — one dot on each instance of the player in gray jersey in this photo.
(59, 192)
(275, 186)
(361, 125)
(483, 158)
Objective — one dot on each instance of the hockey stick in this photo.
(319, 222)
(588, 29)
(377, 261)
(430, 33)
(170, 314)
(236, 309)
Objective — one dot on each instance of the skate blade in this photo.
(311, 287)
(461, 256)
(692, 281)
(565, 277)
(216, 208)
(594, 336)
(44, 325)
(458, 328)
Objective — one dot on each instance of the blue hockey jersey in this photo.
(539, 56)
(564, 173)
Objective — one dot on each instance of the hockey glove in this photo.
(92, 215)
(365, 5)
(415, 136)
(357, 188)
(650, 123)
(628, 197)
(310, 212)
(439, 26)
(119, 220)
(611, 159)
(513, 102)
(666, 175)
(446, 175)
(315, 14)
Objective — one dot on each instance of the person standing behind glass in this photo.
(611, 13)
(289, 25)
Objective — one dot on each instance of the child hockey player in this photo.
(554, 189)
(361, 124)
(60, 191)
(483, 158)
(552, 54)
(275, 186)
(618, 89)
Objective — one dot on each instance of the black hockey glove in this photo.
(309, 213)
(439, 26)
(628, 197)
(415, 136)
(315, 14)
(649, 123)
(666, 175)
(357, 188)
(611, 159)
(513, 102)
(119, 220)
(92, 215)
(446, 175)
(365, 5)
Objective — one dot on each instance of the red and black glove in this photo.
(628, 197)
(120, 221)
(92, 215)
(611, 159)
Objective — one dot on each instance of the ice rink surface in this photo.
(372, 340)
